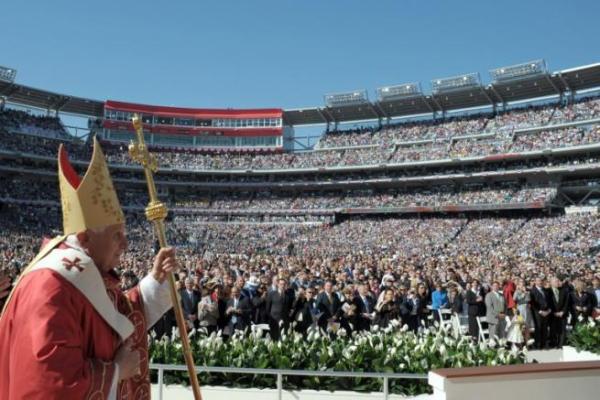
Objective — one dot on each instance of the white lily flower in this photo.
(591, 323)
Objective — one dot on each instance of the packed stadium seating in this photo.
(457, 138)
(475, 197)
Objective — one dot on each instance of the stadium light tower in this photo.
(397, 92)
(355, 97)
(519, 71)
(7, 74)
(443, 85)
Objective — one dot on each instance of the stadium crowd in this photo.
(440, 139)
(31, 124)
(32, 188)
(504, 122)
(307, 270)
(359, 273)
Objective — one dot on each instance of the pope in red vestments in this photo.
(67, 330)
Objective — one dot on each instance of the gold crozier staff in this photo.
(156, 212)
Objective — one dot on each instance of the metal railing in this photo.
(280, 373)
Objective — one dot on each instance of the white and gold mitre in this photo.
(91, 202)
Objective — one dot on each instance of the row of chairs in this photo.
(460, 324)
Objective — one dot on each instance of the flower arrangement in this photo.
(393, 349)
(586, 336)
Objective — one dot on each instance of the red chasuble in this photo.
(58, 336)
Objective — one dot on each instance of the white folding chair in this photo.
(445, 316)
(484, 334)
(259, 327)
(458, 328)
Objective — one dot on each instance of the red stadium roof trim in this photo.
(193, 112)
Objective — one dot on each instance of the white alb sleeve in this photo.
(156, 299)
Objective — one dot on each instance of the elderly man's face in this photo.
(105, 247)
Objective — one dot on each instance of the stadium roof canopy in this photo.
(43, 99)
(496, 93)
(580, 78)
(533, 86)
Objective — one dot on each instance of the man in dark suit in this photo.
(189, 302)
(164, 326)
(328, 304)
(365, 305)
(540, 311)
(455, 301)
(414, 309)
(559, 304)
(238, 312)
(476, 307)
(305, 309)
(280, 307)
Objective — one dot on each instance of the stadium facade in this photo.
(544, 164)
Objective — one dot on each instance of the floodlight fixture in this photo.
(443, 85)
(396, 92)
(519, 71)
(7, 74)
(355, 97)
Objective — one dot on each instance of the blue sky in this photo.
(267, 53)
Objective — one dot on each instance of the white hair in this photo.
(99, 230)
